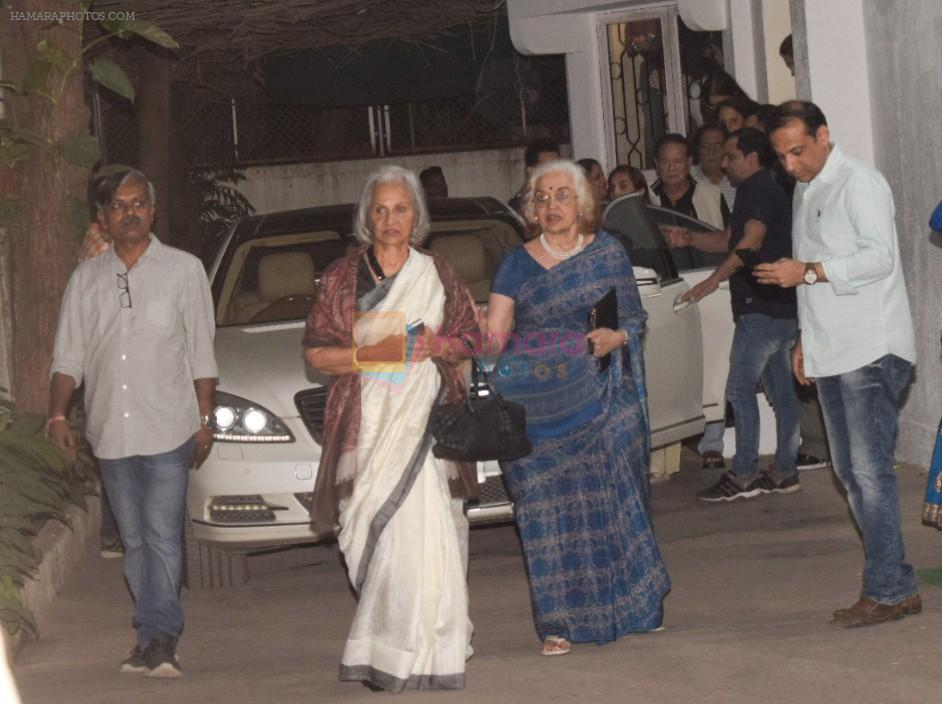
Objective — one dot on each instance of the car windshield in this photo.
(274, 278)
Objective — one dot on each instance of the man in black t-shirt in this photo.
(765, 317)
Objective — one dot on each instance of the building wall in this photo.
(904, 59)
(776, 25)
(493, 172)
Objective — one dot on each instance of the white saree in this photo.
(403, 537)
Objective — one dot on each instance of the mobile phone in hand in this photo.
(415, 328)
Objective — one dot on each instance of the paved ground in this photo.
(754, 584)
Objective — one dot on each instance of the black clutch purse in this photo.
(484, 427)
(604, 314)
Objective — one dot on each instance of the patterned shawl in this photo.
(330, 323)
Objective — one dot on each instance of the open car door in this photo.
(716, 317)
(673, 344)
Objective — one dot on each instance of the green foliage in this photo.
(110, 75)
(219, 202)
(37, 482)
(51, 70)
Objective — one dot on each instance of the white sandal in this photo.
(555, 645)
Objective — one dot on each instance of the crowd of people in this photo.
(582, 499)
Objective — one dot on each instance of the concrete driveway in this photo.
(754, 585)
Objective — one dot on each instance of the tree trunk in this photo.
(153, 124)
(43, 243)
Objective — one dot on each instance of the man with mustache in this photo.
(136, 325)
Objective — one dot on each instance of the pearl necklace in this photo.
(557, 254)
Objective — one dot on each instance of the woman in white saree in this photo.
(386, 326)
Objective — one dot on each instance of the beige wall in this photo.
(902, 43)
(493, 172)
(776, 25)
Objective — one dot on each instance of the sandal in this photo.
(555, 645)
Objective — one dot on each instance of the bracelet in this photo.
(55, 419)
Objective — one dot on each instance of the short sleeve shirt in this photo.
(760, 198)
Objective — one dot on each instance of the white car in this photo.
(254, 489)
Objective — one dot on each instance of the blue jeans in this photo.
(712, 440)
(148, 497)
(762, 350)
(860, 412)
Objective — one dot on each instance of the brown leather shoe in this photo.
(867, 612)
(911, 606)
(713, 460)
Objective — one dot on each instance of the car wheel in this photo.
(206, 567)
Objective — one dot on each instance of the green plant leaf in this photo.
(112, 77)
(29, 137)
(151, 32)
(15, 617)
(82, 150)
(76, 213)
(28, 423)
(55, 56)
(36, 75)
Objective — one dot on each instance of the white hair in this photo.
(363, 225)
(579, 181)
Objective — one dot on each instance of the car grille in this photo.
(310, 404)
(241, 509)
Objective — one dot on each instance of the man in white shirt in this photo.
(136, 326)
(856, 340)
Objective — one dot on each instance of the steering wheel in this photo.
(295, 305)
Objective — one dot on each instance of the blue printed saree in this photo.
(582, 496)
(932, 509)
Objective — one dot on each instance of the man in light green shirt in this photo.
(856, 340)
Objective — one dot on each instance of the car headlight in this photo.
(239, 420)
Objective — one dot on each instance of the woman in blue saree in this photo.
(582, 497)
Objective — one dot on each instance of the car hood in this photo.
(265, 364)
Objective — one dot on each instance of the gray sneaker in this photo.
(134, 662)
(730, 487)
(111, 547)
(779, 484)
(160, 657)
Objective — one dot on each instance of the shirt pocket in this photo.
(160, 313)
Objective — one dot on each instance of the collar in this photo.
(155, 250)
(756, 176)
(832, 166)
(658, 186)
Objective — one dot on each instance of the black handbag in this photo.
(484, 427)
(604, 314)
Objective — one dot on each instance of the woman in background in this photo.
(626, 179)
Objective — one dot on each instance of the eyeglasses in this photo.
(562, 197)
(124, 294)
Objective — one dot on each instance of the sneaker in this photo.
(811, 462)
(110, 548)
(160, 657)
(134, 662)
(777, 484)
(729, 488)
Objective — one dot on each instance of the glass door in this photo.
(644, 93)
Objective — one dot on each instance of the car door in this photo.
(716, 317)
(673, 350)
